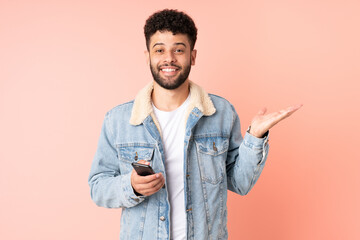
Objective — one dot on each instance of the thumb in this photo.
(262, 111)
(144, 162)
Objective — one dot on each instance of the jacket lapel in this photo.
(143, 106)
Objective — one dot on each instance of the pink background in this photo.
(63, 64)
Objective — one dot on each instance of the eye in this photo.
(179, 50)
(158, 50)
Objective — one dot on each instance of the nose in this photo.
(169, 57)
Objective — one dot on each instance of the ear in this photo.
(147, 57)
(193, 56)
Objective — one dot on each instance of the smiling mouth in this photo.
(168, 69)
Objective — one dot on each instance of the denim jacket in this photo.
(216, 158)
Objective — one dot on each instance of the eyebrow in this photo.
(177, 43)
(180, 43)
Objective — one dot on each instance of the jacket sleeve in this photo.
(246, 159)
(108, 187)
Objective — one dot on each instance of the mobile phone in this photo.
(142, 169)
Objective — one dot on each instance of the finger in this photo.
(156, 188)
(159, 185)
(147, 179)
(292, 108)
(148, 187)
(262, 111)
(287, 110)
(151, 188)
(295, 107)
(282, 114)
(144, 162)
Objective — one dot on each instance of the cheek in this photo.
(154, 61)
(187, 61)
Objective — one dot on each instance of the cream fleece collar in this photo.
(143, 106)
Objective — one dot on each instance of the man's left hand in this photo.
(261, 123)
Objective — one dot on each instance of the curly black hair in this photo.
(170, 20)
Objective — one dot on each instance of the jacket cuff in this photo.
(132, 198)
(259, 145)
(255, 142)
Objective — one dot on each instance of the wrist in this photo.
(257, 134)
(136, 193)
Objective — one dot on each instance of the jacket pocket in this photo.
(211, 152)
(133, 152)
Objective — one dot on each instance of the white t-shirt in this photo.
(173, 132)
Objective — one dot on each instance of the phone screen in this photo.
(142, 169)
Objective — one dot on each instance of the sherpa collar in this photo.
(143, 106)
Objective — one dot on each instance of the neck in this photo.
(169, 100)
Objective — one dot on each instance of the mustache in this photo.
(171, 64)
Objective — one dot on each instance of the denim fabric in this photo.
(217, 158)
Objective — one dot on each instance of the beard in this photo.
(170, 84)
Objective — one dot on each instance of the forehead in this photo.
(168, 38)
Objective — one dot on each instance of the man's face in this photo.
(170, 58)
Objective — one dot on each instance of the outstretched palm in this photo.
(261, 123)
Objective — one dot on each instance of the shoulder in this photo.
(217, 97)
(120, 110)
(221, 103)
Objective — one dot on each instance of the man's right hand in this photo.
(147, 185)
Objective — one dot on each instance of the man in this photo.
(190, 138)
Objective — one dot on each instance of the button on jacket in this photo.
(216, 158)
